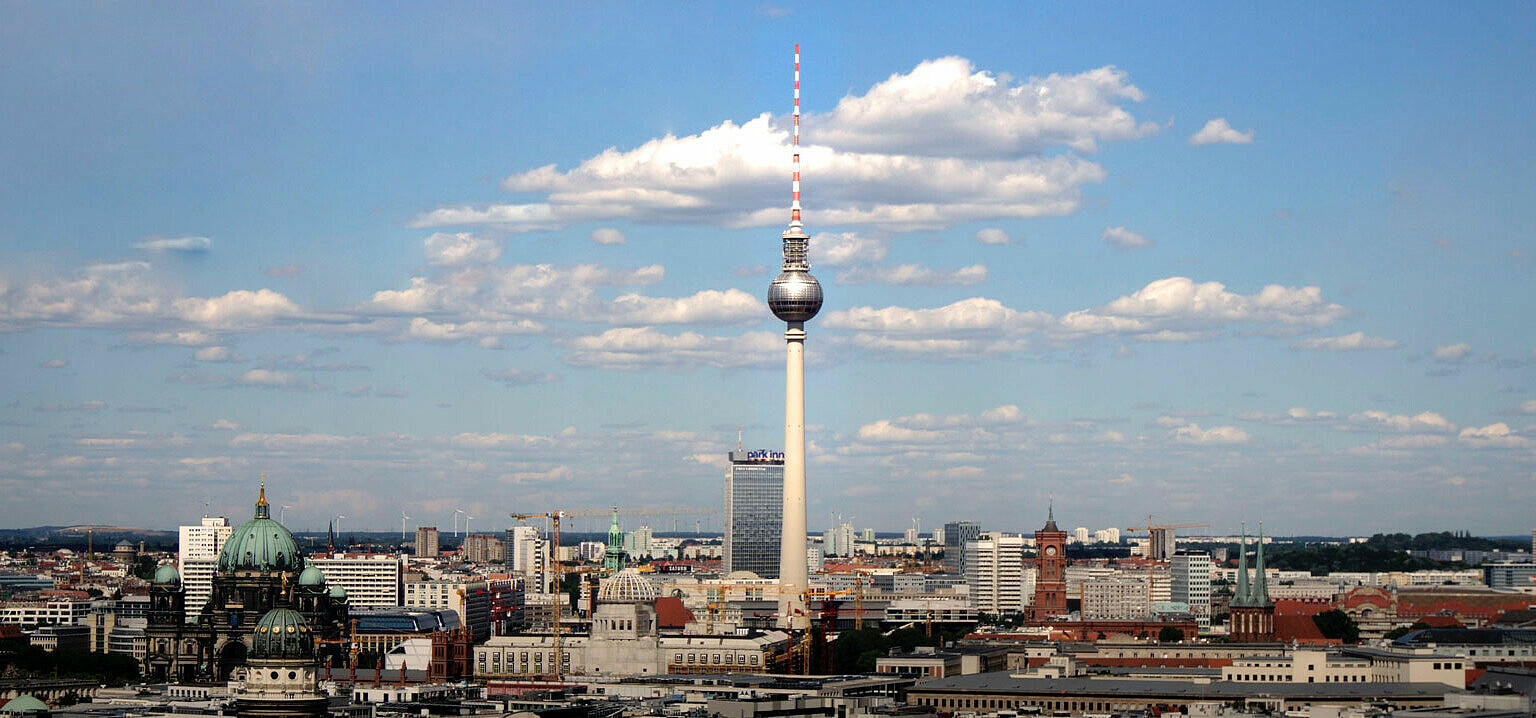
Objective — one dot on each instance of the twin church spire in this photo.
(1253, 594)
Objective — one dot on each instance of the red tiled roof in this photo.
(670, 612)
(1301, 629)
(1441, 622)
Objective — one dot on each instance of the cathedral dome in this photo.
(282, 633)
(311, 576)
(626, 586)
(261, 544)
(338, 593)
(167, 576)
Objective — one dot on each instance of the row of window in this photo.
(729, 659)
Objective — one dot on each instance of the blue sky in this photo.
(1211, 263)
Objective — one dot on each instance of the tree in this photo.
(1170, 634)
(1401, 631)
(1337, 624)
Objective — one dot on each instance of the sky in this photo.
(1204, 263)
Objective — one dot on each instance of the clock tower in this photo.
(1051, 566)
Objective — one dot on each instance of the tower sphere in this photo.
(794, 296)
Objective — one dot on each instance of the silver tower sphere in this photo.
(795, 295)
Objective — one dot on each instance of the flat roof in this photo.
(1003, 682)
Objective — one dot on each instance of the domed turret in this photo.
(261, 544)
(311, 576)
(282, 633)
(338, 593)
(626, 586)
(167, 576)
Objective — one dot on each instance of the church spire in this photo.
(262, 510)
(1240, 596)
(1260, 595)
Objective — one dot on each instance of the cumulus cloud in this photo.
(1426, 422)
(941, 144)
(217, 354)
(1450, 352)
(189, 245)
(1357, 341)
(1193, 434)
(1173, 309)
(1218, 131)
(190, 338)
(499, 441)
(221, 425)
(512, 376)
(992, 235)
(607, 235)
(913, 274)
(54, 364)
(452, 250)
(1123, 238)
(637, 348)
(1294, 416)
(842, 249)
(1493, 436)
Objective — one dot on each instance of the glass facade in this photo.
(754, 512)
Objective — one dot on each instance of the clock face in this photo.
(1050, 550)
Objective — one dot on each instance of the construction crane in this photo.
(1152, 530)
(554, 518)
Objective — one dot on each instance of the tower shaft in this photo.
(792, 566)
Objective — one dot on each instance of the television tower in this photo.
(795, 297)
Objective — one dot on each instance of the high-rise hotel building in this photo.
(754, 509)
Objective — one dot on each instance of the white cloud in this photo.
(709, 306)
(221, 425)
(240, 308)
(1182, 304)
(1294, 416)
(1193, 434)
(1426, 422)
(190, 338)
(458, 249)
(646, 348)
(1218, 131)
(512, 376)
(913, 274)
(499, 441)
(1493, 436)
(1357, 341)
(973, 315)
(93, 405)
(941, 144)
(175, 244)
(1528, 406)
(885, 431)
(54, 364)
(1450, 352)
(992, 235)
(295, 442)
(1123, 238)
(607, 235)
(284, 270)
(842, 249)
(270, 379)
(217, 354)
(946, 106)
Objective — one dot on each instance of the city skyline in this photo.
(1239, 266)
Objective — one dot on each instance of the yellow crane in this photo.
(554, 518)
(1151, 530)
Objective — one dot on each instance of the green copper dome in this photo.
(338, 592)
(24, 704)
(166, 576)
(282, 633)
(261, 544)
(311, 576)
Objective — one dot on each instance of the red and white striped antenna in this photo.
(794, 207)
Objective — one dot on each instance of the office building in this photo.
(426, 541)
(369, 580)
(637, 543)
(1116, 598)
(1080, 534)
(956, 535)
(754, 503)
(1518, 576)
(1191, 584)
(468, 598)
(839, 541)
(1162, 545)
(994, 569)
(197, 556)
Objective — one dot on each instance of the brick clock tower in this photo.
(1051, 562)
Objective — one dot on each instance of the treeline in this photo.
(33, 662)
(1445, 540)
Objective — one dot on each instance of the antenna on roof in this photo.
(738, 437)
